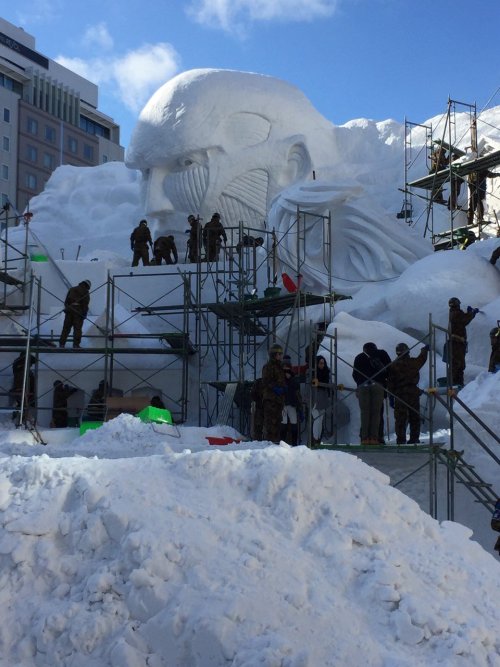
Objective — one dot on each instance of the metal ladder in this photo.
(227, 402)
(467, 475)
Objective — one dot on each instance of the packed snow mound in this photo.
(95, 208)
(233, 557)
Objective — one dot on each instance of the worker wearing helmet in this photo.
(213, 235)
(494, 364)
(139, 241)
(164, 248)
(402, 384)
(76, 306)
(194, 240)
(458, 321)
(273, 393)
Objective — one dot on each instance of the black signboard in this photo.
(24, 50)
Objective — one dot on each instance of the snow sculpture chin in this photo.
(232, 142)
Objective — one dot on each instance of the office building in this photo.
(48, 117)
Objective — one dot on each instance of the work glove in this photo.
(279, 391)
(391, 401)
(470, 309)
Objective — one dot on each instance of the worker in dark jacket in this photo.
(273, 393)
(369, 374)
(402, 383)
(257, 410)
(382, 378)
(478, 184)
(495, 255)
(194, 241)
(458, 320)
(494, 364)
(164, 248)
(76, 306)
(213, 235)
(16, 391)
(60, 397)
(139, 241)
(96, 409)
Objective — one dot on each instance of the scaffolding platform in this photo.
(460, 170)
(386, 449)
(457, 151)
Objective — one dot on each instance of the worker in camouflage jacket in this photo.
(165, 249)
(402, 384)
(273, 393)
(458, 321)
(213, 235)
(76, 306)
(194, 240)
(257, 410)
(494, 365)
(139, 241)
(495, 255)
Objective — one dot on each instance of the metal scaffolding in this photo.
(448, 165)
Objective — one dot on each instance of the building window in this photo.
(104, 158)
(72, 145)
(88, 152)
(6, 115)
(5, 198)
(50, 134)
(5, 172)
(31, 181)
(32, 126)
(6, 144)
(48, 161)
(32, 153)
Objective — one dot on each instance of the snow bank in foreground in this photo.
(237, 555)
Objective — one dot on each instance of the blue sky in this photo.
(353, 58)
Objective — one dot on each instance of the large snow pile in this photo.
(193, 555)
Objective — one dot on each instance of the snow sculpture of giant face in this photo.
(235, 142)
(226, 141)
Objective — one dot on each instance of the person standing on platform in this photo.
(458, 321)
(402, 383)
(139, 241)
(494, 363)
(320, 388)
(386, 361)
(194, 240)
(213, 236)
(292, 410)
(257, 410)
(368, 373)
(273, 393)
(60, 397)
(76, 307)
(16, 392)
(478, 184)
